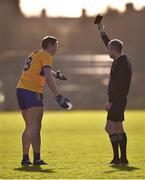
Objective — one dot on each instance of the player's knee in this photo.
(107, 129)
(38, 127)
(27, 132)
(35, 129)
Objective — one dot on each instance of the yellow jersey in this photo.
(32, 77)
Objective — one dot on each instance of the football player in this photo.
(37, 70)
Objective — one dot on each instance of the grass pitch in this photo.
(75, 145)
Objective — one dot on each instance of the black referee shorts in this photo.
(116, 112)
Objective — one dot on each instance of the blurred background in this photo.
(81, 55)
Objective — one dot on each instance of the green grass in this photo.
(75, 145)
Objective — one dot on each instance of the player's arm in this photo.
(62, 101)
(50, 81)
(58, 75)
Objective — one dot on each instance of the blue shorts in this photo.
(27, 99)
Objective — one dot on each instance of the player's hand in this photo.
(108, 106)
(63, 101)
(60, 75)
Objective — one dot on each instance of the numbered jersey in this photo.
(32, 77)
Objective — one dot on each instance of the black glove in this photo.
(62, 101)
(60, 76)
(98, 19)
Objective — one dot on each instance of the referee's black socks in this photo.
(122, 140)
(114, 142)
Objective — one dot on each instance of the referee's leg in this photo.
(111, 131)
(122, 140)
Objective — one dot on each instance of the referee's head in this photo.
(49, 44)
(115, 47)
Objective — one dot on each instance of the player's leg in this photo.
(36, 115)
(26, 137)
(122, 140)
(31, 105)
(111, 130)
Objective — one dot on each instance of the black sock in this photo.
(122, 140)
(36, 156)
(114, 142)
(25, 157)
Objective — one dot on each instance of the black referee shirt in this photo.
(120, 76)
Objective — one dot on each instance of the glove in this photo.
(98, 19)
(62, 101)
(60, 76)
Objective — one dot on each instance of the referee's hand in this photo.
(101, 28)
(108, 106)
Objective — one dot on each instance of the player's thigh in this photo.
(33, 116)
(36, 115)
(27, 118)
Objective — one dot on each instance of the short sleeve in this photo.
(47, 60)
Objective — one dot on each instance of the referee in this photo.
(118, 88)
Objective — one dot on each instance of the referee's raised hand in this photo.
(101, 27)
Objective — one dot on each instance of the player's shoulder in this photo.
(45, 54)
(42, 55)
(35, 53)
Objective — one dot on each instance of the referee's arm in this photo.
(103, 34)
